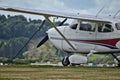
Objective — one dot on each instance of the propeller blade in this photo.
(46, 37)
(43, 41)
(62, 22)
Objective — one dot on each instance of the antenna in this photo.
(116, 13)
(100, 11)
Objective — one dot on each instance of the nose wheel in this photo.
(65, 61)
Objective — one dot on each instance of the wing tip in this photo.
(4, 7)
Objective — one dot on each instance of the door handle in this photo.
(90, 33)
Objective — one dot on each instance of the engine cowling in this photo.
(77, 59)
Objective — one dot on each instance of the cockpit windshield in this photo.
(117, 26)
(73, 26)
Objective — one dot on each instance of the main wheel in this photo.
(118, 64)
(65, 61)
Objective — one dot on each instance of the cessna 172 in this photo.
(86, 34)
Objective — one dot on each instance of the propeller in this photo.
(29, 40)
(46, 36)
(43, 41)
(62, 22)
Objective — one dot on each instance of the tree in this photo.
(15, 32)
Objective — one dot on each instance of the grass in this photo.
(25, 72)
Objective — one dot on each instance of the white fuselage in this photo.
(86, 36)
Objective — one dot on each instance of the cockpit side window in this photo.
(117, 26)
(73, 26)
(87, 26)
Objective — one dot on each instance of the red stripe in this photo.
(111, 42)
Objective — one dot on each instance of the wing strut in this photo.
(47, 17)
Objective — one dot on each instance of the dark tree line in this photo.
(15, 32)
(18, 26)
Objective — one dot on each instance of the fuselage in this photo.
(86, 36)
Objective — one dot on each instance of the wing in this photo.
(55, 14)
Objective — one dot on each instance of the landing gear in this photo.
(65, 61)
(116, 59)
(118, 64)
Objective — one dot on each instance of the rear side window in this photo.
(117, 26)
(105, 28)
(87, 26)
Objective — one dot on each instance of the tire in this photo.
(118, 64)
(65, 61)
(73, 64)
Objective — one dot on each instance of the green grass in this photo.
(25, 72)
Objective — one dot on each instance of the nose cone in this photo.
(55, 37)
(53, 32)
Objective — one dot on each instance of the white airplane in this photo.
(86, 34)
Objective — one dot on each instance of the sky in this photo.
(88, 7)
